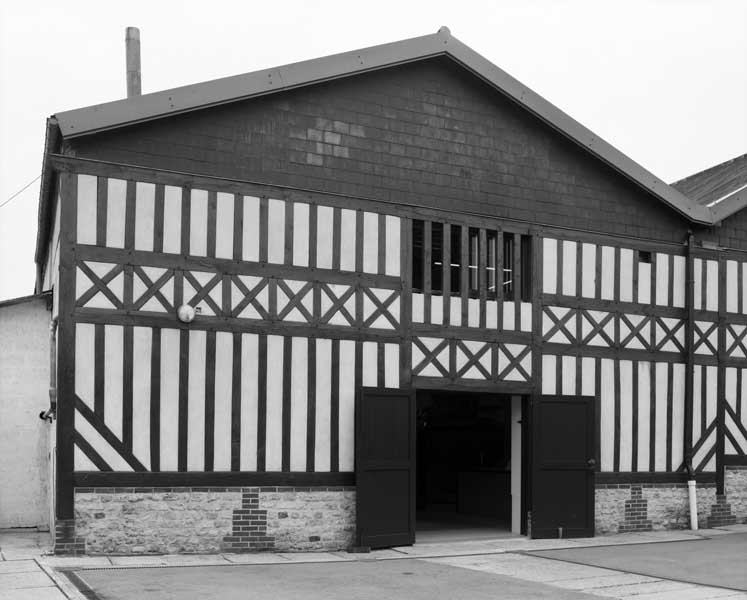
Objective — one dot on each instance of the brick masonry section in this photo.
(735, 485)
(721, 513)
(208, 520)
(249, 527)
(636, 512)
(628, 507)
(65, 539)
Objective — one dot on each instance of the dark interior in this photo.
(463, 461)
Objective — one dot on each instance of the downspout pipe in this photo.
(693, 500)
(689, 379)
(50, 414)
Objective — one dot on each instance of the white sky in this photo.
(665, 81)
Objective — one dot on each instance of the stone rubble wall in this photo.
(310, 520)
(609, 507)
(625, 507)
(211, 520)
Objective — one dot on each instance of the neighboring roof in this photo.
(139, 109)
(720, 187)
(22, 299)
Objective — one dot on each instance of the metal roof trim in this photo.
(197, 96)
(128, 111)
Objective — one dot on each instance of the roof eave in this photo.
(121, 113)
(46, 189)
(129, 111)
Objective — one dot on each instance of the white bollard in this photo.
(693, 505)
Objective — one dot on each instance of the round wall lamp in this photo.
(186, 313)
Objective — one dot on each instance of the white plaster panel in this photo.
(299, 402)
(223, 401)
(198, 219)
(196, 401)
(115, 213)
(569, 268)
(224, 222)
(145, 214)
(275, 231)
(588, 270)
(87, 209)
(249, 401)
(274, 411)
(549, 266)
(172, 219)
(250, 229)
(608, 273)
(626, 275)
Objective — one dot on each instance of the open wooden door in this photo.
(385, 468)
(563, 467)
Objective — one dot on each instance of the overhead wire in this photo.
(24, 188)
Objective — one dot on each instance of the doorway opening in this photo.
(469, 465)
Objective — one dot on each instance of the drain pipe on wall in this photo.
(693, 497)
(690, 360)
(50, 414)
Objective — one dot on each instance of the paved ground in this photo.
(608, 566)
(410, 579)
(707, 562)
(595, 581)
(21, 576)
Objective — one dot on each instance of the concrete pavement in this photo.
(683, 561)
(595, 581)
(411, 579)
(27, 570)
(21, 575)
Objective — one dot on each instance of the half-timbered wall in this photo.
(615, 326)
(305, 300)
(299, 305)
(733, 353)
(469, 320)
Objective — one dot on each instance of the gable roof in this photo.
(139, 109)
(722, 188)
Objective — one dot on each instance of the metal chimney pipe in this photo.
(132, 44)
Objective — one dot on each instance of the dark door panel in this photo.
(385, 468)
(563, 467)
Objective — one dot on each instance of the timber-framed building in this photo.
(421, 293)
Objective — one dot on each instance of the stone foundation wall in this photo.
(209, 520)
(310, 520)
(625, 507)
(735, 486)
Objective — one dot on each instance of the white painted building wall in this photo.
(24, 392)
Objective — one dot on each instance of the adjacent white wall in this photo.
(24, 392)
